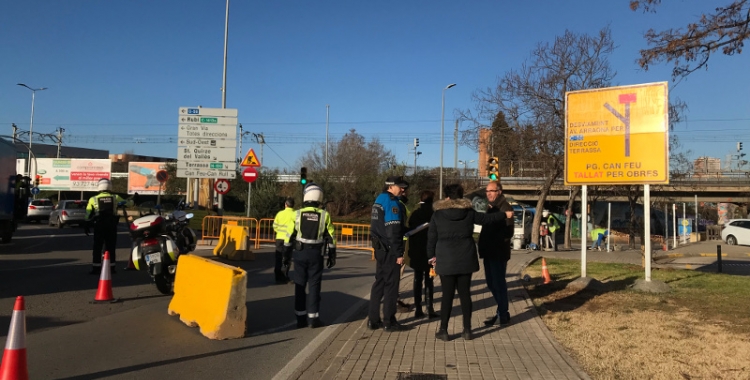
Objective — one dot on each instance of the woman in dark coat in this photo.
(450, 243)
(418, 255)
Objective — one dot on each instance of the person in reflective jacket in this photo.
(313, 238)
(101, 211)
(283, 224)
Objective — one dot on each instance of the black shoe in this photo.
(491, 320)
(301, 321)
(442, 334)
(394, 326)
(315, 323)
(431, 313)
(419, 313)
(377, 325)
(403, 307)
(467, 335)
(505, 320)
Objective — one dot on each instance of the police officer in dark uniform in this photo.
(313, 236)
(387, 228)
(101, 210)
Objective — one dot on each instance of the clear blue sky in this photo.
(118, 69)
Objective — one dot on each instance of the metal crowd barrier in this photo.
(354, 236)
(348, 235)
(265, 232)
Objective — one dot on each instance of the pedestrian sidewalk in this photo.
(525, 349)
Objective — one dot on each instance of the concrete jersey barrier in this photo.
(212, 296)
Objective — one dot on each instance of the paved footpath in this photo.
(525, 349)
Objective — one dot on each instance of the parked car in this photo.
(39, 209)
(68, 213)
(736, 232)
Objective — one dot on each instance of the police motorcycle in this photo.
(158, 240)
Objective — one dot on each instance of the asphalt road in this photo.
(68, 337)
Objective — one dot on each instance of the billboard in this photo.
(70, 174)
(617, 135)
(142, 177)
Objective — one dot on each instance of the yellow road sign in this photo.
(250, 159)
(617, 135)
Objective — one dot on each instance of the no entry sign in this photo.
(249, 174)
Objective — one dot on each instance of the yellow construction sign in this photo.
(250, 159)
(617, 135)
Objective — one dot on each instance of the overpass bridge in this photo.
(731, 189)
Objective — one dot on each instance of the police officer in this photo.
(387, 228)
(283, 224)
(313, 235)
(101, 210)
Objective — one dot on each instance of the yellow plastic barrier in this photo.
(234, 243)
(212, 296)
(211, 226)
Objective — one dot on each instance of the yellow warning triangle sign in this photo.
(250, 159)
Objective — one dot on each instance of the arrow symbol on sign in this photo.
(60, 177)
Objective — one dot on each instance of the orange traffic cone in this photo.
(104, 293)
(545, 272)
(14, 358)
(130, 266)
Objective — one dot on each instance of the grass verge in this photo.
(700, 329)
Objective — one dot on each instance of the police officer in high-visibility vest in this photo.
(313, 236)
(101, 210)
(283, 224)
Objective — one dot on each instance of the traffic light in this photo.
(739, 146)
(303, 176)
(416, 142)
(36, 180)
(492, 169)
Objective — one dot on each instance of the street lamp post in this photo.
(465, 163)
(442, 138)
(31, 125)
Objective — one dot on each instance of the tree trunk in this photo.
(544, 191)
(569, 216)
(632, 199)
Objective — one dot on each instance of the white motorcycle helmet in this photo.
(312, 193)
(104, 185)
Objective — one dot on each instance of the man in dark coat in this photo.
(418, 255)
(494, 248)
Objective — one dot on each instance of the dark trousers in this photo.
(494, 273)
(308, 271)
(385, 287)
(451, 283)
(105, 236)
(280, 249)
(419, 277)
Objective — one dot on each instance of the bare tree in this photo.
(690, 48)
(355, 174)
(532, 100)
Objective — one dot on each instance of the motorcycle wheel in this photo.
(164, 284)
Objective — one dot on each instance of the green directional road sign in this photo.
(209, 120)
(216, 165)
